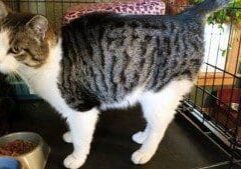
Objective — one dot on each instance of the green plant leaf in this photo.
(230, 14)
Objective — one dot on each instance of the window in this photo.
(221, 61)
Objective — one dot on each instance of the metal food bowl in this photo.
(35, 159)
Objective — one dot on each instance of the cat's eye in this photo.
(15, 50)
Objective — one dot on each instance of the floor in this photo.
(182, 148)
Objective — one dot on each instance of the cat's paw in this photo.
(67, 137)
(74, 161)
(139, 137)
(141, 157)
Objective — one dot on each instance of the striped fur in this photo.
(108, 56)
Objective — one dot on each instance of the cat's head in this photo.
(24, 40)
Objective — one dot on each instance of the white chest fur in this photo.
(44, 81)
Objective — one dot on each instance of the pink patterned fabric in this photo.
(152, 7)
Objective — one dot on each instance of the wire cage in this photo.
(214, 105)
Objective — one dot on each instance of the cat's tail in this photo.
(206, 7)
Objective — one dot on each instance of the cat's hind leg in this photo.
(82, 126)
(159, 110)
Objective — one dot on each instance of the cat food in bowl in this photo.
(16, 148)
(28, 148)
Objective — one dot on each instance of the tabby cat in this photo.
(106, 60)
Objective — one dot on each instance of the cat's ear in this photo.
(3, 10)
(39, 24)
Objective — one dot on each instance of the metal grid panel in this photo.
(214, 105)
(52, 9)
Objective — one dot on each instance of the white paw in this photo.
(67, 137)
(139, 137)
(74, 161)
(141, 157)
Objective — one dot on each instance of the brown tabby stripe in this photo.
(97, 60)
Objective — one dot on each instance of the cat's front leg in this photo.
(82, 126)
